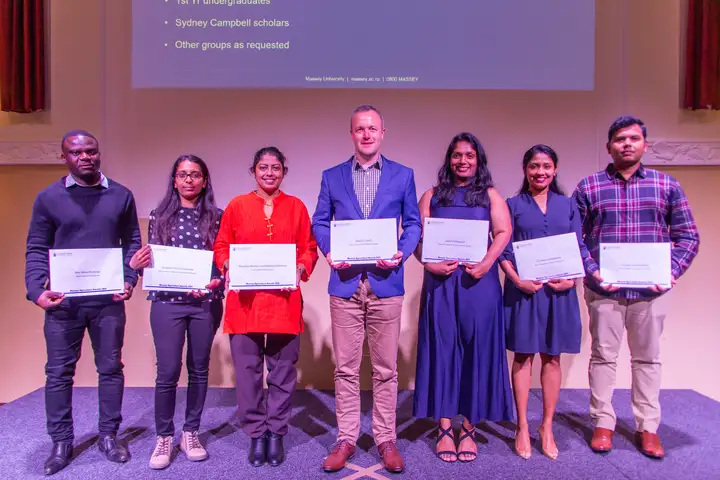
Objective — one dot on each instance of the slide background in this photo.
(449, 44)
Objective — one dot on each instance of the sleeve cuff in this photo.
(34, 294)
(591, 268)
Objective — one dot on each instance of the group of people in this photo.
(468, 320)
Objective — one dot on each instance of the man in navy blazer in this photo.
(367, 297)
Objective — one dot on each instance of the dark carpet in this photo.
(690, 433)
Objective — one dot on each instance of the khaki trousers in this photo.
(380, 318)
(643, 319)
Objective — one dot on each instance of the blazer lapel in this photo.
(350, 187)
(385, 182)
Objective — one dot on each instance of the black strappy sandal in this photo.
(449, 433)
(467, 434)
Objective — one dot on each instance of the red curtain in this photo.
(702, 55)
(22, 55)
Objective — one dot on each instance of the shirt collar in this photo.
(70, 181)
(612, 173)
(378, 164)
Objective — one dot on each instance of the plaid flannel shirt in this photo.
(648, 207)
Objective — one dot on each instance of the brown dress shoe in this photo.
(340, 454)
(649, 444)
(391, 457)
(601, 440)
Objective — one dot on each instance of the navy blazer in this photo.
(395, 198)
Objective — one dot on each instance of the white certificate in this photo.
(174, 269)
(265, 266)
(454, 239)
(635, 265)
(81, 272)
(549, 258)
(363, 241)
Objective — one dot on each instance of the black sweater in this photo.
(80, 217)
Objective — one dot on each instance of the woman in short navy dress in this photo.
(541, 318)
(461, 359)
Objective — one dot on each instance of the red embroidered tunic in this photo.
(244, 221)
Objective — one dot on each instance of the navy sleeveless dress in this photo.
(462, 365)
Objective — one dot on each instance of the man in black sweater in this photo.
(84, 209)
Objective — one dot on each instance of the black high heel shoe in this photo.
(467, 434)
(446, 432)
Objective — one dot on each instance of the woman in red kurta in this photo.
(264, 325)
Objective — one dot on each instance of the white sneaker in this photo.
(190, 444)
(161, 455)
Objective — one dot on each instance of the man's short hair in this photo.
(624, 122)
(368, 108)
(75, 133)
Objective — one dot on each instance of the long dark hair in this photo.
(166, 214)
(539, 149)
(477, 189)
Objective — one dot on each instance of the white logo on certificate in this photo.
(264, 266)
(81, 272)
(363, 241)
(464, 240)
(636, 265)
(549, 258)
(175, 269)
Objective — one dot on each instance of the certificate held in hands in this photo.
(636, 265)
(549, 258)
(264, 266)
(454, 239)
(87, 271)
(175, 269)
(363, 241)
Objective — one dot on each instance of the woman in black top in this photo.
(186, 218)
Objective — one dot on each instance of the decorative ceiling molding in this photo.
(671, 152)
(29, 152)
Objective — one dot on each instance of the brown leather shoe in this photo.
(601, 440)
(391, 457)
(340, 454)
(649, 444)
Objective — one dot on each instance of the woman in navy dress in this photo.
(541, 318)
(461, 358)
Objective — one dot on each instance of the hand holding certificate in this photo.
(636, 265)
(267, 266)
(465, 241)
(176, 269)
(549, 258)
(363, 241)
(87, 271)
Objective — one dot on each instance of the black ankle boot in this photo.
(257, 456)
(59, 457)
(275, 450)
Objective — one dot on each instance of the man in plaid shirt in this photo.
(630, 203)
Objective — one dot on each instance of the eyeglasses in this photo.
(193, 175)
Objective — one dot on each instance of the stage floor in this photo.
(690, 432)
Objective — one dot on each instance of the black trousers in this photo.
(171, 323)
(251, 352)
(64, 331)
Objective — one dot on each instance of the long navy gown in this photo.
(461, 357)
(547, 321)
